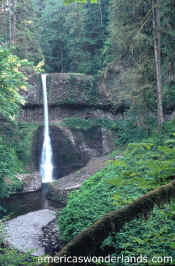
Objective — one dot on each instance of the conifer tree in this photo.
(132, 49)
(156, 32)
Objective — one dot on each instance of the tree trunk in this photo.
(101, 14)
(14, 22)
(156, 32)
(88, 241)
(10, 22)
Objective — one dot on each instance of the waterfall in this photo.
(46, 166)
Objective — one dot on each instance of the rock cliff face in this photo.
(72, 148)
(66, 91)
(69, 96)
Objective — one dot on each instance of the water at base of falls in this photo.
(46, 166)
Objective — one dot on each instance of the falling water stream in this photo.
(46, 166)
(22, 203)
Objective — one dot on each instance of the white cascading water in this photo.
(46, 166)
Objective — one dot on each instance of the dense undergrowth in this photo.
(12, 83)
(124, 129)
(143, 166)
(13, 156)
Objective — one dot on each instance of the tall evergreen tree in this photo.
(132, 50)
(95, 33)
(156, 33)
(72, 36)
(19, 28)
(27, 22)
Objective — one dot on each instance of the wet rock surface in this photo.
(67, 154)
(59, 190)
(24, 232)
(70, 88)
(72, 148)
(50, 239)
(38, 230)
(31, 182)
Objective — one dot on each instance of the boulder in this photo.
(50, 239)
(31, 182)
(59, 190)
(25, 231)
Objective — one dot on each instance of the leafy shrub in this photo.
(9, 167)
(124, 130)
(74, 218)
(24, 148)
(12, 80)
(142, 167)
(151, 238)
(128, 131)
(85, 124)
(11, 257)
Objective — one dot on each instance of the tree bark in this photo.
(88, 241)
(101, 14)
(10, 22)
(156, 32)
(14, 22)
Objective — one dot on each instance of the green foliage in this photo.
(12, 80)
(80, 211)
(145, 164)
(127, 130)
(12, 257)
(85, 124)
(129, 56)
(9, 167)
(66, 2)
(141, 168)
(27, 26)
(151, 238)
(82, 89)
(23, 148)
(118, 128)
(79, 123)
(69, 46)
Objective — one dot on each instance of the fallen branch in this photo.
(86, 242)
